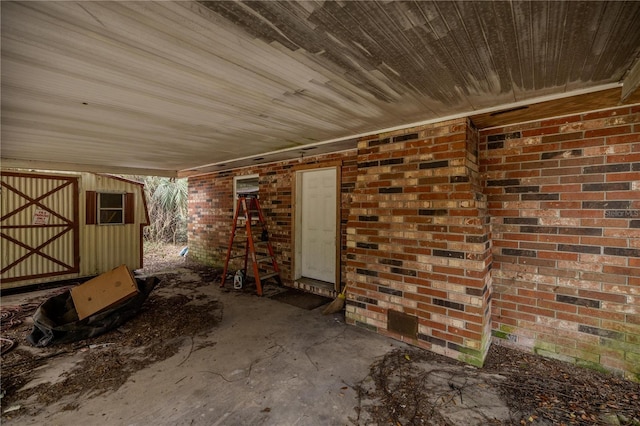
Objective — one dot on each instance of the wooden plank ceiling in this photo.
(173, 88)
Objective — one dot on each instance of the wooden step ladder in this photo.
(248, 208)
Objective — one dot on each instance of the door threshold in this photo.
(322, 288)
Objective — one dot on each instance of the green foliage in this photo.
(168, 209)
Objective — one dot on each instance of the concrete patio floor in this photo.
(267, 363)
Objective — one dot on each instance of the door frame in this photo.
(296, 223)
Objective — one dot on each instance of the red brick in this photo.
(607, 131)
(464, 333)
(633, 319)
(535, 311)
(623, 177)
(596, 295)
(557, 306)
(623, 139)
(578, 319)
(540, 131)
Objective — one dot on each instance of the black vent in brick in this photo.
(521, 189)
(403, 271)
(449, 253)
(401, 323)
(494, 138)
(390, 190)
(391, 161)
(605, 205)
(406, 137)
(372, 246)
(432, 212)
(540, 197)
(504, 182)
(434, 164)
(576, 248)
(366, 272)
(448, 304)
(520, 220)
(392, 262)
(580, 301)
(612, 186)
(368, 164)
(391, 291)
(503, 136)
(516, 252)
(379, 142)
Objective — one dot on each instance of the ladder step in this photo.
(263, 259)
(267, 276)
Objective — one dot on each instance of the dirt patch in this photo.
(162, 257)
(416, 387)
(562, 393)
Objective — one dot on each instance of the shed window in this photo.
(108, 208)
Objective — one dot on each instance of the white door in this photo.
(318, 225)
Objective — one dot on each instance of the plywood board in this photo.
(104, 291)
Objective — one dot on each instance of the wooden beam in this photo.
(10, 163)
(631, 82)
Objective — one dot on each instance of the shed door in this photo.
(39, 226)
(318, 225)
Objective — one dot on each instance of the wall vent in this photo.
(401, 323)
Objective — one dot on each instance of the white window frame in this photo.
(99, 208)
(235, 187)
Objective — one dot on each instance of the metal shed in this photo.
(59, 226)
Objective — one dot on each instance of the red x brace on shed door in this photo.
(39, 226)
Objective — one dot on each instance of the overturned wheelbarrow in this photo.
(56, 320)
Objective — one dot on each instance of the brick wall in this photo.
(418, 251)
(529, 233)
(564, 201)
(211, 208)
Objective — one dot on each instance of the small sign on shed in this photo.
(104, 291)
(40, 217)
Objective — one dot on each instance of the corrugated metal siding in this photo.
(101, 247)
(107, 246)
(48, 243)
